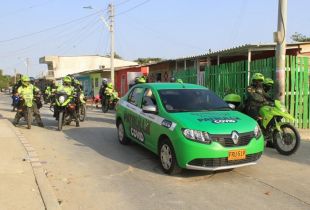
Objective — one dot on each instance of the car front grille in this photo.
(226, 141)
(218, 162)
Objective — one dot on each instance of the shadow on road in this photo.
(302, 156)
(132, 155)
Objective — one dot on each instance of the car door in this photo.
(132, 120)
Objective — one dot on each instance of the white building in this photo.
(60, 66)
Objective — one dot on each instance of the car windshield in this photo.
(191, 100)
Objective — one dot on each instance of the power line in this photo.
(132, 8)
(25, 8)
(57, 36)
(50, 28)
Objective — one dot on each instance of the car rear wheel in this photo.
(122, 138)
(168, 159)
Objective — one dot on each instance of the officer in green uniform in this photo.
(255, 96)
(27, 89)
(69, 90)
(267, 85)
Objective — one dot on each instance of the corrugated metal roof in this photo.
(237, 49)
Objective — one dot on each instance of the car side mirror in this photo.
(149, 109)
(232, 106)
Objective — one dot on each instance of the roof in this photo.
(245, 48)
(162, 85)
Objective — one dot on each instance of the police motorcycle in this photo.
(275, 124)
(110, 99)
(64, 109)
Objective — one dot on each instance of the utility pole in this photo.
(111, 18)
(280, 38)
(15, 79)
(27, 65)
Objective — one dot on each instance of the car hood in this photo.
(215, 122)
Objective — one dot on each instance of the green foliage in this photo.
(5, 80)
(298, 37)
(147, 60)
(116, 56)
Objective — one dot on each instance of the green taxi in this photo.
(188, 126)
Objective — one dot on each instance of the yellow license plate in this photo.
(236, 154)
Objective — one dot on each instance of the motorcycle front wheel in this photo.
(287, 141)
(82, 114)
(105, 106)
(60, 120)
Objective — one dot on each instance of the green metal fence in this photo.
(186, 75)
(234, 77)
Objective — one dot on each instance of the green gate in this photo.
(234, 78)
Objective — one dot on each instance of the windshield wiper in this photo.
(220, 108)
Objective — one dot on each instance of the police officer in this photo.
(27, 89)
(70, 91)
(267, 85)
(255, 96)
(103, 86)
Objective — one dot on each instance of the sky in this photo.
(143, 28)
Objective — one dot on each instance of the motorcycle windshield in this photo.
(62, 98)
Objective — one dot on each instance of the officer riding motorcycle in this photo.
(110, 98)
(65, 105)
(27, 106)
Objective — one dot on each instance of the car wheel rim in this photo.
(166, 156)
(120, 132)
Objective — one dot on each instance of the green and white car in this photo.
(188, 126)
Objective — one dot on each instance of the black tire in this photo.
(168, 158)
(105, 106)
(29, 117)
(121, 134)
(60, 120)
(82, 114)
(279, 143)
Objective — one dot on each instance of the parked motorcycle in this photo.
(64, 109)
(110, 100)
(274, 122)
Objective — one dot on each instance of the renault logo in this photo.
(235, 137)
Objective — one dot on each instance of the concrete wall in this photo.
(64, 65)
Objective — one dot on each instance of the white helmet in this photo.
(104, 81)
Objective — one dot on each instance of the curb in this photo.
(47, 194)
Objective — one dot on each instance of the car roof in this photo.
(161, 85)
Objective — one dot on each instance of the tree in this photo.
(5, 80)
(117, 56)
(298, 37)
(142, 61)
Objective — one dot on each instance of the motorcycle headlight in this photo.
(257, 132)
(283, 109)
(195, 135)
(61, 99)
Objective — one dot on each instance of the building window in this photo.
(96, 82)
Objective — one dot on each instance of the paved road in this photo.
(89, 169)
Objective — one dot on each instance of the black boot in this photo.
(77, 124)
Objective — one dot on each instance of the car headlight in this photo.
(61, 99)
(195, 135)
(257, 132)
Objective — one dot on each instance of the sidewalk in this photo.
(18, 188)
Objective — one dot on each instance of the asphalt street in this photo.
(89, 169)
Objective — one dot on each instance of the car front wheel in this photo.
(168, 159)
